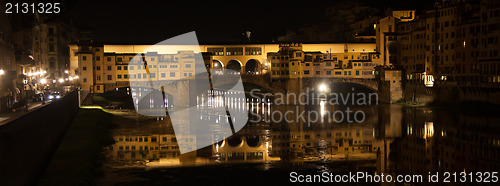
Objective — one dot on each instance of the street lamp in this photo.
(66, 72)
(323, 87)
(43, 81)
(61, 80)
(2, 72)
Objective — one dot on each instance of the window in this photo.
(162, 75)
(110, 77)
(152, 75)
(188, 65)
(306, 72)
(328, 64)
(328, 72)
(125, 76)
(84, 58)
(109, 58)
(318, 72)
(119, 59)
(118, 76)
(152, 59)
(109, 67)
(131, 68)
(125, 67)
(185, 74)
(216, 51)
(233, 51)
(84, 68)
(98, 68)
(98, 58)
(144, 76)
(98, 78)
(298, 54)
(84, 80)
(172, 74)
(357, 72)
(253, 51)
(118, 68)
(173, 66)
(98, 87)
(139, 76)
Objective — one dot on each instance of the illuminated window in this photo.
(253, 51)
(234, 51)
(216, 51)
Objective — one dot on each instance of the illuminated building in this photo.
(97, 66)
(293, 61)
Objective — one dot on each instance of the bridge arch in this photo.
(235, 65)
(253, 141)
(253, 66)
(235, 141)
(349, 86)
(217, 64)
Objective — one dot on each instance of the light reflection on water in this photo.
(392, 139)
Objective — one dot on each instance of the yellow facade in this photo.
(292, 62)
(106, 66)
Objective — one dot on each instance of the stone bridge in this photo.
(265, 82)
(315, 82)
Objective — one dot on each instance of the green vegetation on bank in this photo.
(78, 158)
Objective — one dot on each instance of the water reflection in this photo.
(392, 139)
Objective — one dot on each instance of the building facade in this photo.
(291, 61)
(103, 67)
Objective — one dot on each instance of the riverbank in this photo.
(78, 158)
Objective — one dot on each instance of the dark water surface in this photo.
(391, 139)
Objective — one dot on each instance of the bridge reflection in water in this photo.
(392, 139)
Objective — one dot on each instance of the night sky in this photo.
(148, 22)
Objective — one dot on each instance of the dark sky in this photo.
(141, 21)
